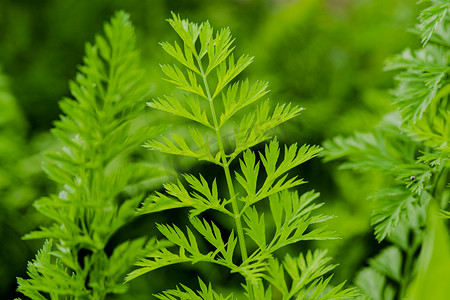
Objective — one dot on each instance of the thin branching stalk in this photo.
(208, 77)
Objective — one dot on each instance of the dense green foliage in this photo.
(410, 147)
(213, 100)
(326, 56)
(94, 171)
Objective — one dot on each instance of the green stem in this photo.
(225, 165)
(439, 186)
(408, 268)
(226, 168)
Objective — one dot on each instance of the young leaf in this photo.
(391, 205)
(205, 293)
(388, 263)
(431, 17)
(94, 170)
(373, 284)
(211, 73)
(172, 105)
(256, 227)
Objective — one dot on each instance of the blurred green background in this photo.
(326, 56)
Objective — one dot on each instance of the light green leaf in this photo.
(159, 259)
(250, 170)
(177, 145)
(230, 246)
(275, 181)
(388, 263)
(423, 74)
(304, 270)
(201, 186)
(234, 101)
(226, 73)
(48, 275)
(255, 126)
(172, 105)
(206, 34)
(186, 30)
(431, 17)
(276, 277)
(176, 236)
(203, 144)
(256, 227)
(390, 206)
(296, 211)
(372, 283)
(176, 76)
(210, 232)
(219, 49)
(205, 293)
(185, 57)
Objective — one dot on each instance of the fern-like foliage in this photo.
(216, 102)
(410, 147)
(386, 271)
(390, 152)
(432, 21)
(93, 170)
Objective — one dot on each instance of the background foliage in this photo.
(326, 56)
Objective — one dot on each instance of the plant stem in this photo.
(225, 163)
(438, 185)
(408, 268)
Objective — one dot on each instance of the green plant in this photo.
(411, 149)
(224, 130)
(99, 132)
